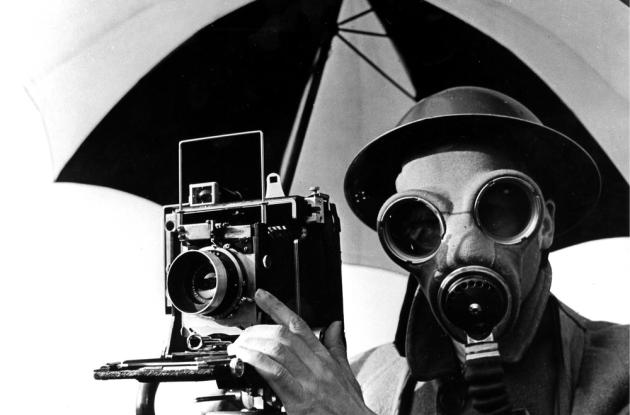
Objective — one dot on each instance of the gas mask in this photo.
(472, 300)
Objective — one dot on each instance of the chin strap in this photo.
(483, 372)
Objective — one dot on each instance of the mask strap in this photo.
(484, 375)
(401, 330)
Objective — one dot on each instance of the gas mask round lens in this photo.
(508, 209)
(410, 228)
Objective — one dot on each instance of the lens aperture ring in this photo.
(207, 282)
(235, 284)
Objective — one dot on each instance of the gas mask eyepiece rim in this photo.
(534, 199)
(386, 227)
(512, 189)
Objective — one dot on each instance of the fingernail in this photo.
(261, 293)
(322, 333)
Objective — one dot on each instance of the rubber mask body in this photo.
(451, 179)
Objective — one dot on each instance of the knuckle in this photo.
(281, 332)
(279, 372)
(276, 349)
(296, 324)
(276, 331)
(244, 336)
(254, 357)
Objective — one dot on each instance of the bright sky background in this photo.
(82, 281)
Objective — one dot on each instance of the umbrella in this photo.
(159, 72)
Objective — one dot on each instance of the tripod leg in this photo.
(146, 398)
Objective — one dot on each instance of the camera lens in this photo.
(208, 282)
(204, 284)
(410, 228)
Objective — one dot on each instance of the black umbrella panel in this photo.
(246, 71)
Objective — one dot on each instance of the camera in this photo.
(233, 232)
(218, 254)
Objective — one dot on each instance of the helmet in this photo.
(564, 171)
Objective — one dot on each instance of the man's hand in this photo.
(309, 378)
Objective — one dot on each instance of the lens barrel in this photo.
(207, 282)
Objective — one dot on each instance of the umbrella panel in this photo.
(246, 71)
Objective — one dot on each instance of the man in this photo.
(467, 194)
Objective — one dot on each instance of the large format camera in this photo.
(232, 235)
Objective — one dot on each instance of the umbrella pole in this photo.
(307, 102)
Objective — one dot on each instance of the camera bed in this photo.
(157, 374)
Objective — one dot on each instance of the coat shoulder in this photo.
(382, 373)
(602, 383)
(376, 360)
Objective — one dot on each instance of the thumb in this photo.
(335, 341)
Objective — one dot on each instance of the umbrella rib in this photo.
(363, 32)
(356, 16)
(376, 68)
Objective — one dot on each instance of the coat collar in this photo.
(385, 375)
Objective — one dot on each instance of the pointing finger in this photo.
(283, 315)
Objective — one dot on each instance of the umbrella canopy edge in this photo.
(102, 72)
(601, 70)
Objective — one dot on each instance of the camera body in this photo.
(232, 233)
(218, 254)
